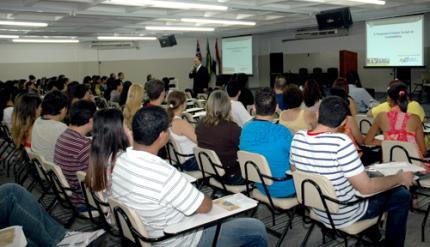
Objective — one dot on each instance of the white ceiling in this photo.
(87, 19)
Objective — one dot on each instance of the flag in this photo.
(198, 53)
(209, 60)
(218, 58)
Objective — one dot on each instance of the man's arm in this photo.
(205, 207)
(366, 185)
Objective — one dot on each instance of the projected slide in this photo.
(237, 55)
(395, 42)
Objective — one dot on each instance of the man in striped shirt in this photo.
(72, 150)
(327, 152)
(161, 196)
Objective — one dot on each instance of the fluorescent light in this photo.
(45, 40)
(3, 36)
(23, 24)
(125, 38)
(167, 4)
(177, 28)
(378, 2)
(225, 22)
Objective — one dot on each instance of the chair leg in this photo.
(346, 241)
(323, 236)
(287, 227)
(308, 234)
(423, 224)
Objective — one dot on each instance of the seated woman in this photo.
(110, 138)
(343, 83)
(27, 110)
(134, 101)
(115, 94)
(7, 102)
(82, 92)
(311, 96)
(397, 124)
(295, 118)
(181, 131)
(216, 131)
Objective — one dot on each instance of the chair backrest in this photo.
(208, 161)
(364, 123)
(81, 178)
(250, 109)
(306, 185)
(188, 95)
(175, 148)
(51, 167)
(187, 116)
(399, 151)
(202, 96)
(127, 217)
(201, 103)
(249, 162)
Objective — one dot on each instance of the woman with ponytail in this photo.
(181, 131)
(398, 124)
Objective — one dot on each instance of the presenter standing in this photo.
(200, 76)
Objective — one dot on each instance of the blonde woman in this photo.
(27, 110)
(133, 103)
(181, 131)
(219, 133)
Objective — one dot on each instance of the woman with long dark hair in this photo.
(311, 96)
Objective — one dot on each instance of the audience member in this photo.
(280, 84)
(293, 117)
(219, 133)
(124, 93)
(27, 110)
(115, 94)
(48, 127)
(311, 96)
(398, 124)
(7, 102)
(71, 89)
(72, 149)
(245, 96)
(331, 154)
(121, 76)
(134, 102)
(342, 83)
(271, 140)
(142, 178)
(181, 131)
(155, 91)
(83, 92)
(238, 112)
(18, 207)
(110, 138)
(413, 106)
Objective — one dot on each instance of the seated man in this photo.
(72, 151)
(238, 112)
(413, 107)
(156, 92)
(280, 84)
(161, 196)
(327, 152)
(271, 140)
(48, 127)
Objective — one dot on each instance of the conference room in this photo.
(214, 122)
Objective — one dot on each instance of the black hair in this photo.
(311, 92)
(233, 88)
(340, 92)
(81, 90)
(166, 81)
(265, 102)
(87, 80)
(398, 92)
(293, 96)
(53, 102)
(71, 89)
(81, 112)
(31, 77)
(8, 93)
(333, 111)
(148, 123)
(123, 97)
(154, 88)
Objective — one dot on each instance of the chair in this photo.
(406, 151)
(315, 191)
(189, 117)
(177, 158)
(254, 168)
(364, 123)
(202, 96)
(250, 109)
(212, 169)
(201, 103)
(101, 102)
(114, 105)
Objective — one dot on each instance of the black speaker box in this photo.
(334, 18)
(167, 41)
(276, 66)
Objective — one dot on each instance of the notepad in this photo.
(392, 168)
(234, 202)
(12, 236)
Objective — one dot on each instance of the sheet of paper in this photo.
(12, 236)
(392, 168)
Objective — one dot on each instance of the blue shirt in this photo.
(273, 141)
(280, 101)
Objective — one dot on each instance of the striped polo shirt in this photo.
(334, 156)
(72, 152)
(158, 192)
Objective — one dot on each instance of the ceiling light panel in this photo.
(179, 28)
(23, 24)
(125, 38)
(64, 41)
(167, 4)
(222, 22)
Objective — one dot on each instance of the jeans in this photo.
(237, 232)
(396, 203)
(233, 179)
(19, 207)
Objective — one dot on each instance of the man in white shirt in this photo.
(331, 154)
(48, 127)
(161, 196)
(238, 112)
